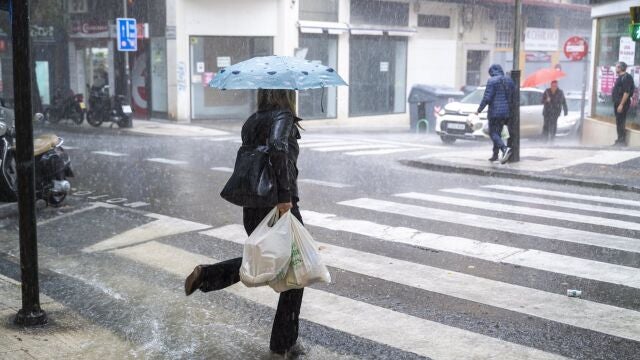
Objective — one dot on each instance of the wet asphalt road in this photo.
(449, 294)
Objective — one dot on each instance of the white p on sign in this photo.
(127, 34)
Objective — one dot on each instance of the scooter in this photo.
(52, 163)
(66, 106)
(103, 108)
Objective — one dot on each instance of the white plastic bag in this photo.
(305, 266)
(505, 133)
(267, 251)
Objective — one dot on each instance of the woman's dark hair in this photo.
(270, 99)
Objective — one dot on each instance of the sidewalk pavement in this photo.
(68, 336)
(611, 168)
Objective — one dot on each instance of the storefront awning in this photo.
(379, 31)
(318, 27)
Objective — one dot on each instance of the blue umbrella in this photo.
(276, 72)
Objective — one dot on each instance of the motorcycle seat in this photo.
(44, 143)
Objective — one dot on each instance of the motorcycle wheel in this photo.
(50, 117)
(93, 120)
(8, 179)
(55, 200)
(125, 122)
(77, 117)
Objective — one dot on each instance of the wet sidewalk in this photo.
(607, 167)
(66, 336)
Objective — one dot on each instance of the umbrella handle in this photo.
(322, 100)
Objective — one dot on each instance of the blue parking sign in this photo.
(127, 34)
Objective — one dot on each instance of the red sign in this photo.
(576, 48)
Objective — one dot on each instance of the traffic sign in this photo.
(576, 48)
(127, 34)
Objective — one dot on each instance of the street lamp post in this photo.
(30, 313)
(514, 124)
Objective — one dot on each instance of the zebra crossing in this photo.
(618, 323)
(360, 241)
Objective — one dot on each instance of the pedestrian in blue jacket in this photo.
(498, 95)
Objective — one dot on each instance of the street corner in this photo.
(594, 167)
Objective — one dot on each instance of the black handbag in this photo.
(252, 183)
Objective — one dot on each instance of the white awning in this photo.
(311, 30)
(400, 33)
(366, 32)
(318, 27)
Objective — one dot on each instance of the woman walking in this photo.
(275, 124)
(554, 101)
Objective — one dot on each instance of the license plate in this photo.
(83, 106)
(126, 109)
(456, 126)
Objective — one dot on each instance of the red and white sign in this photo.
(576, 48)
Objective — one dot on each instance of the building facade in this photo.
(381, 48)
(613, 43)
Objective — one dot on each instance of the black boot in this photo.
(494, 157)
(194, 280)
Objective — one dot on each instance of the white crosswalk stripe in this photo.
(381, 151)
(589, 269)
(522, 210)
(167, 161)
(500, 224)
(542, 201)
(402, 331)
(600, 199)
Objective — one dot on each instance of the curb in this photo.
(8, 209)
(517, 175)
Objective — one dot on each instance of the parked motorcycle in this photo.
(52, 166)
(66, 105)
(104, 108)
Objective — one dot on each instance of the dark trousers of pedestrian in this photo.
(621, 122)
(226, 273)
(495, 133)
(549, 127)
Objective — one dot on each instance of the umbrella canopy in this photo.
(276, 72)
(543, 76)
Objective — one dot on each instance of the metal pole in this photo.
(127, 72)
(30, 314)
(514, 124)
(583, 99)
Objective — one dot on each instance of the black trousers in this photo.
(621, 122)
(550, 127)
(226, 273)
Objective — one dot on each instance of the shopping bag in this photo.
(267, 250)
(305, 266)
(505, 133)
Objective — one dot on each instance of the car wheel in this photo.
(447, 139)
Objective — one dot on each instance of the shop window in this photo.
(377, 74)
(208, 55)
(318, 103)
(504, 32)
(319, 10)
(379, 12)
(612, 33)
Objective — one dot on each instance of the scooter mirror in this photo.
(38, 117)
(3, 128)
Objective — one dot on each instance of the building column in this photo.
(343, 61)
(286, 41)
(178, 82)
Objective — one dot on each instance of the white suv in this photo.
(453, 122)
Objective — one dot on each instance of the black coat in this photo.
(277, 130)
(556, 105)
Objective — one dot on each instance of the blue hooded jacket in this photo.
(498, 94)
